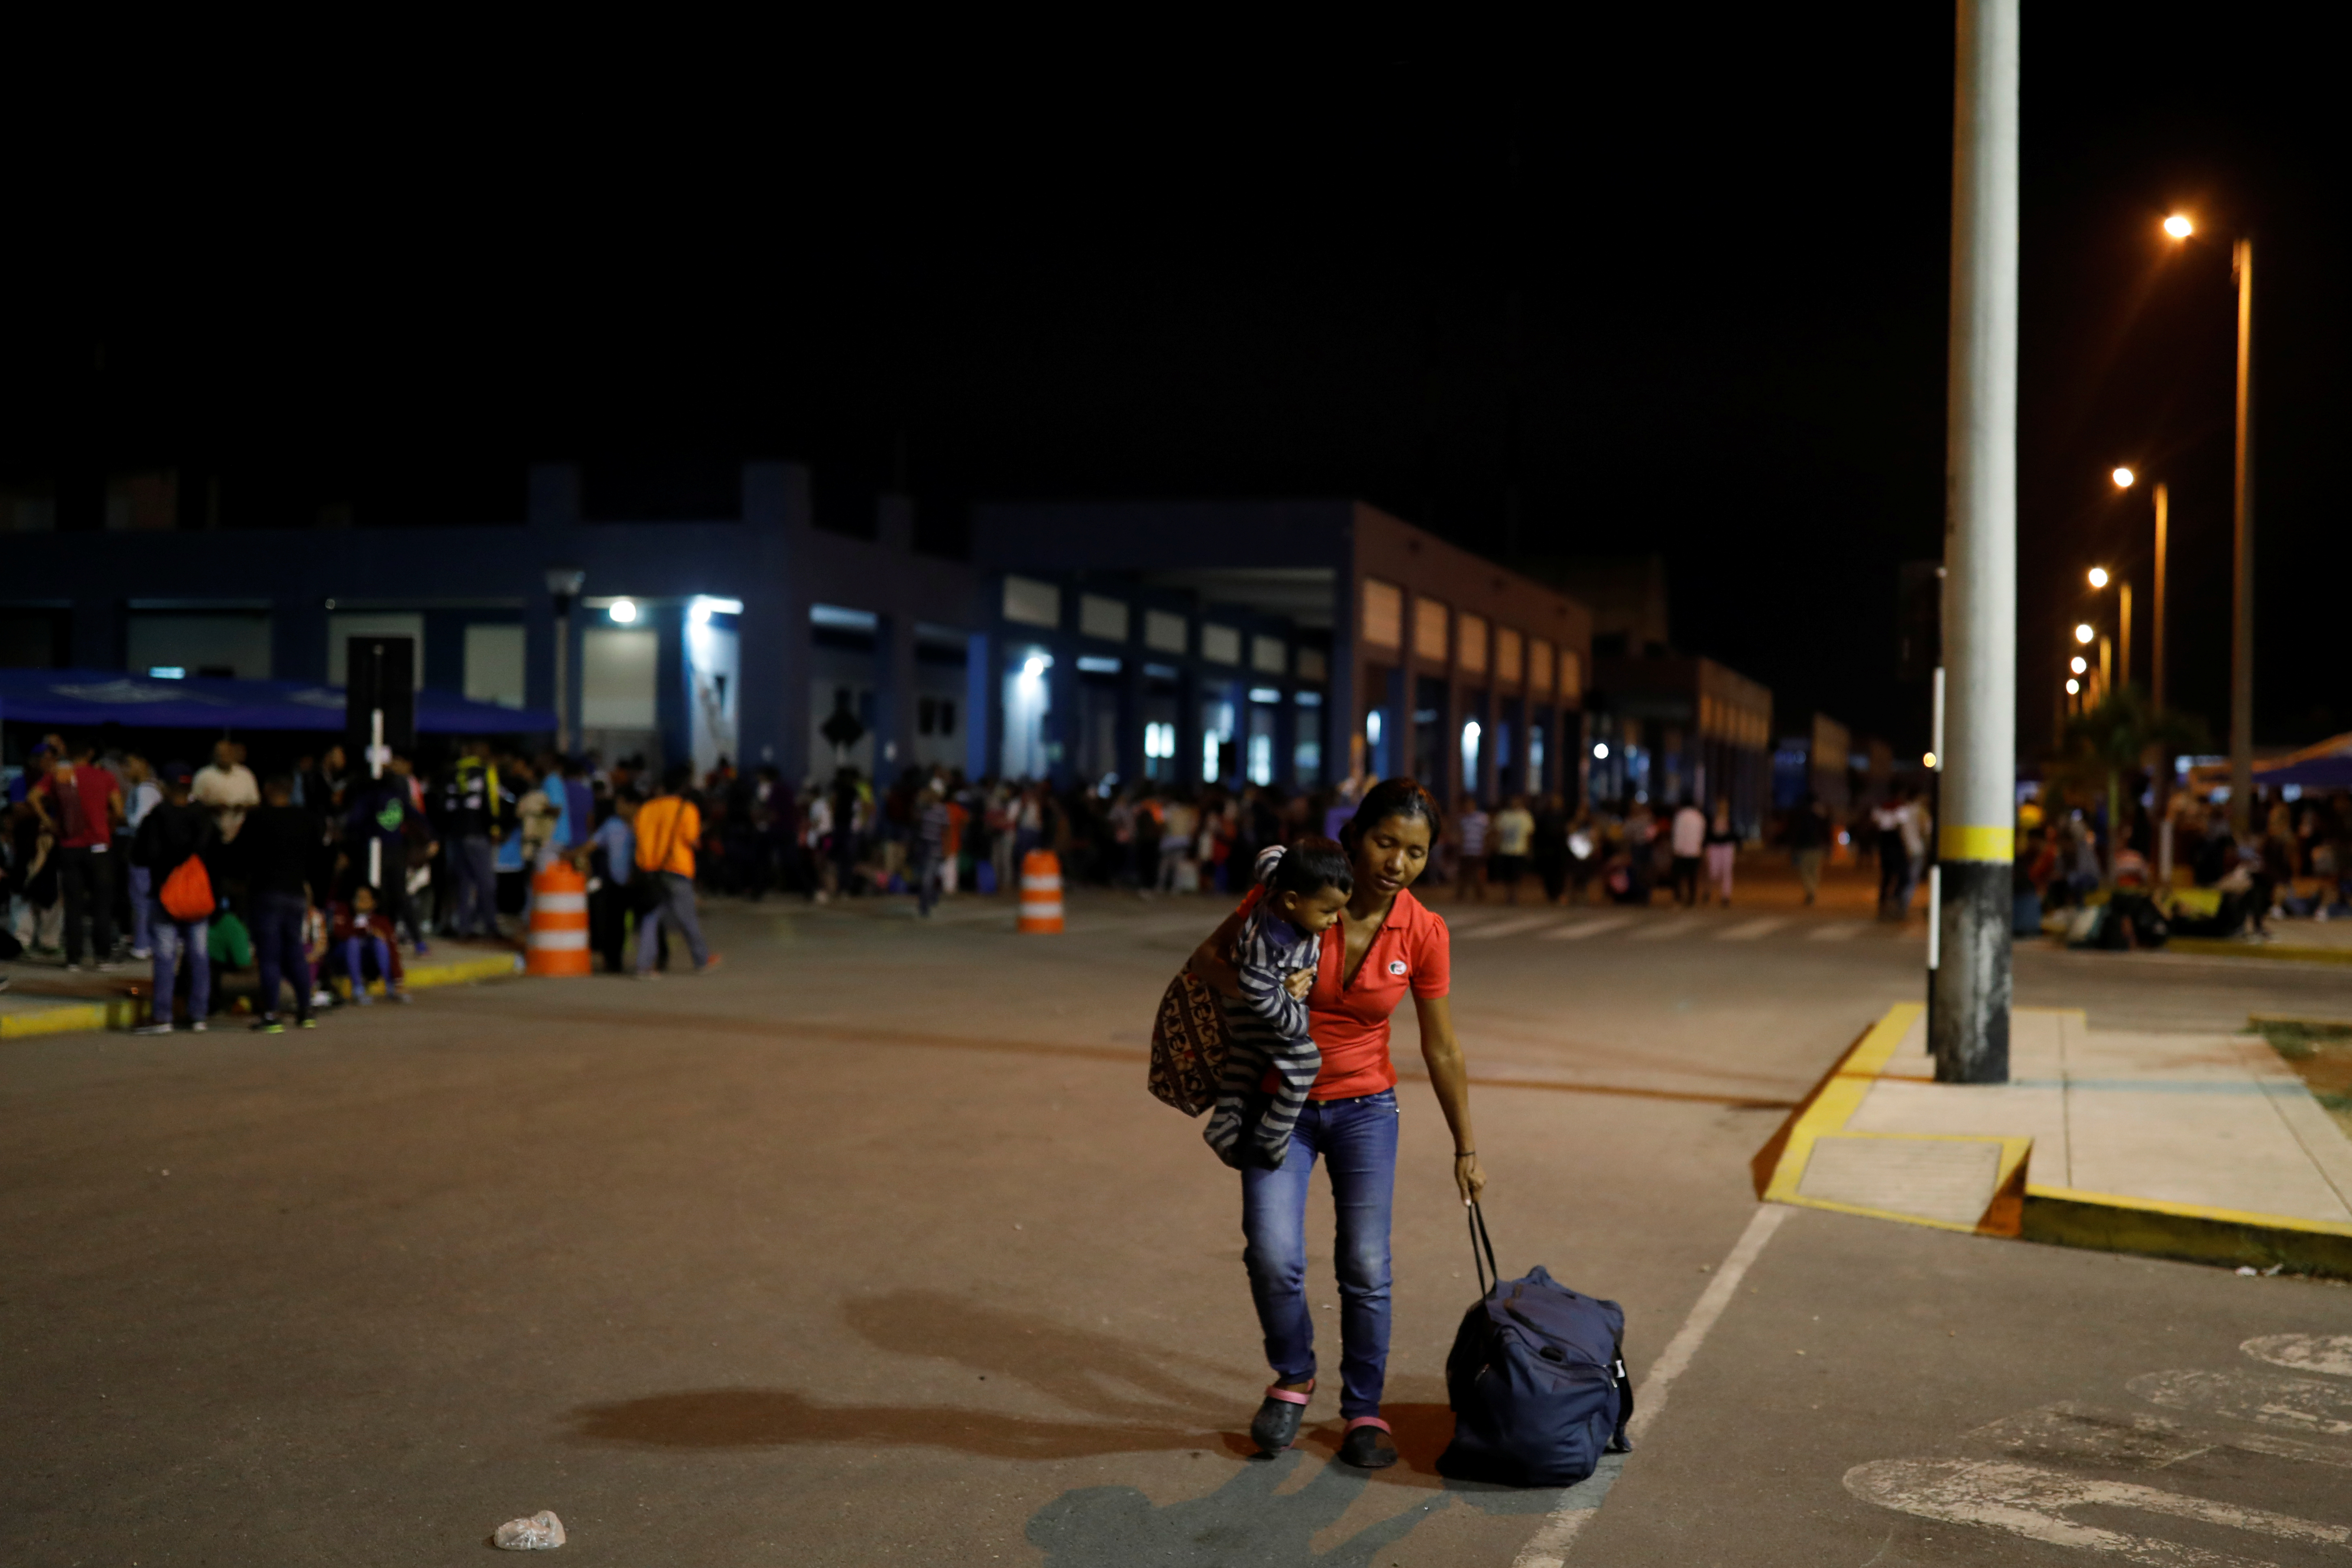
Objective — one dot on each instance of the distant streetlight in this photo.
(2124, 477)
(624, 611)
(2098, 576)
(1928, 759)
(2179, 228)
(2074, 688)
(2080, 664)
(2083, 633)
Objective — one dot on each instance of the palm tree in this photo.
(2118, 735)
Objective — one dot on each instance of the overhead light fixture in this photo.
(623, 611)
(1601, 751)
(2081, 665)
(2083, 633)
(2179, 226)
(2124, 477)
(2073, 688)
(2098, 576)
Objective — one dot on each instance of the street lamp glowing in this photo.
(2081, 665)
(2179, 226)
(2098, 576)
(623, 611)
(1601, 750)
(2083, 633)
(2073, 687)
(2124, 477)
(1928, 759)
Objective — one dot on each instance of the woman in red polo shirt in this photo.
(1391, 944)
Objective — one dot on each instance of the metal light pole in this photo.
(2241, 516)
(564, 583)
(1968, 1004)
(2155, 651)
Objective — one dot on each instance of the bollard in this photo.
(1041, 893)
(559, 921)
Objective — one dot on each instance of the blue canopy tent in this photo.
(2309, 772)
(80, 698)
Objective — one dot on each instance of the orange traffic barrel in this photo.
(559, 921)
(1041, 893)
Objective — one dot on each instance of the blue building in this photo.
(1285, 642)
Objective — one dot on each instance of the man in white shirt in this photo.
(1916, 826)
(1688, 834)
(226, 787)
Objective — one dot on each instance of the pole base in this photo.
(1968, 991)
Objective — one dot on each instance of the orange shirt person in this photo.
(669, 825)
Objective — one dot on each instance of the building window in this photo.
(1221, 645)
(1269, 654)
(1383, 614)
(1539, 667)
(494, 663)
(1032, 603)
(1471, 644)
(1429, 630)
(1312, 665)
(1164, 631)
(1101, 618)
(1571, 676)
(1509, 656)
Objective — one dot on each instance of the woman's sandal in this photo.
(1369, 1445)
(1276, 1424)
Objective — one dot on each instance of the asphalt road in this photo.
(872, 1247)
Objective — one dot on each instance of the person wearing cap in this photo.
(172, 834)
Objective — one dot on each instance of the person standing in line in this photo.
(1514, 833)
(612, 856)
(668, 827)
(169, 836)
(282, 853)
(1470, 861)
(1178, 828)
(226, 789)
(1808, 838)
(1688, 832)
(472, 821)
(1916, 829)
(383, 812)
(931, 826)
(1722, 851)
(1886, 834)
(144, 796)
(79, 802)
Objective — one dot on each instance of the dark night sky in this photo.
(1681, 288)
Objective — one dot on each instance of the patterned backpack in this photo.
(1189, 1045)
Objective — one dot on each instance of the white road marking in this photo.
(1845, 930)
(2329, 1353)
(2301, 1404)
(1548, 1547)
(2029, 1501)
(1751, 930)
(2122, 1440)
(1589, 928)
(1510, 927)
(1670, 927)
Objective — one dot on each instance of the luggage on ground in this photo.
(1537, 1379)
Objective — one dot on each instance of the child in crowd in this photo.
(1273, 1060)
(359, 945)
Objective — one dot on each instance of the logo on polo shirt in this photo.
(1396, 966)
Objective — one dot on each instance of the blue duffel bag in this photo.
(1537, 1379)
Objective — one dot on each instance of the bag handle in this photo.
(1486, 1264)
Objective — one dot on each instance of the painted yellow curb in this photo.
(2061, 1217)
(459, 971)
(65, 1018)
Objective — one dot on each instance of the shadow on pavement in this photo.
(1135, 1399)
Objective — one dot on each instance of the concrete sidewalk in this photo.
(45, 999)
(2204, 1147)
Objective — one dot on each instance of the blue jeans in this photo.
(1358, 1138)
(142, 898)
(170, 936)
(473, 887)
(277, 948)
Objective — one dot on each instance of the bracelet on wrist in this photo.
(1464, 1153)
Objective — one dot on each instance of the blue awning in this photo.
(82, 697)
